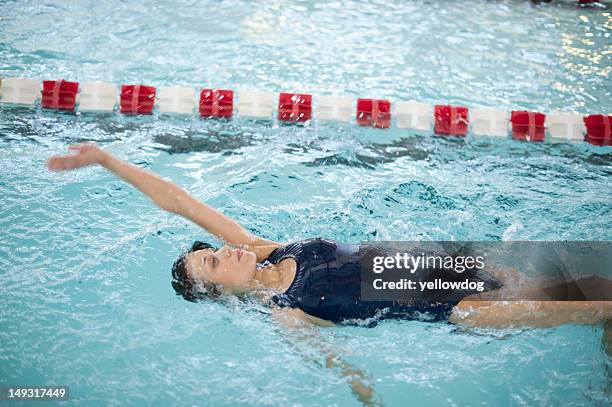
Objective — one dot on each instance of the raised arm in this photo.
(164, 194)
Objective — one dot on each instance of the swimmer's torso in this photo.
(327, 285)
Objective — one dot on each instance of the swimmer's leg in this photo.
(520, 287)
(544, 314)
(517, 286)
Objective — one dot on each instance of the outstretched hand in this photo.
(83, 155)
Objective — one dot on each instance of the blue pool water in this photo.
(85, 260)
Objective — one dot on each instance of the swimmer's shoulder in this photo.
(263, 251)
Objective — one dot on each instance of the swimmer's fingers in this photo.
(63, 163)
(52, 164)
(84, 154)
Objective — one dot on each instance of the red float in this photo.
(451, 120)
(294, 107)
(374, 113)
(137, 99)
(528, 126)
(216, 103)
(598, 129)
(59, 94)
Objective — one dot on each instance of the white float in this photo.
(256, 103)
(176, 99)
(338, 108)
(489, 122)
(20, 91)
(565, 125)
(414, 115)
(97, 97)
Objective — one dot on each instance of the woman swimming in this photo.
(318, 279)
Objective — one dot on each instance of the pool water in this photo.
(85, 259)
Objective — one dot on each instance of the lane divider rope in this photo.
(446, 120)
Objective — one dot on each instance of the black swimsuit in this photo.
(327, 285)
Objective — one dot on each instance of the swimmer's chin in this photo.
(252, 259)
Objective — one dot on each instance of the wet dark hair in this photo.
(182, 283)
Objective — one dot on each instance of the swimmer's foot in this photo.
(606, 339)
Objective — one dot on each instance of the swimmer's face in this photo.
(231, 268)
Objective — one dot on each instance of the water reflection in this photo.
(208, 141)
